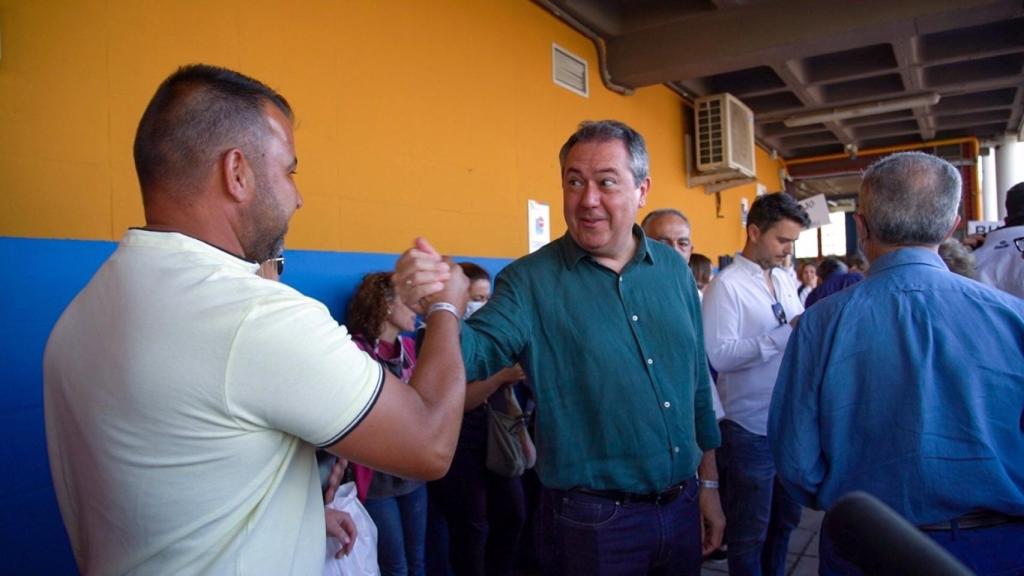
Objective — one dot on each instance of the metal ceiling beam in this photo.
(739, 38)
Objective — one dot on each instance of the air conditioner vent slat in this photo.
(569, 71)
(725, 135)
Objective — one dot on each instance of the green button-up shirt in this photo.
(616, 362)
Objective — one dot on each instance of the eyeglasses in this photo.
(780, 313)
(1019, 243)
(279, 261)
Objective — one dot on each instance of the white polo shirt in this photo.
(744, 340)
(184, 396)
(998, 262)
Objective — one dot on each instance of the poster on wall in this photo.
(538, 222)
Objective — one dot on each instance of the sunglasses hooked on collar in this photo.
(278, 264)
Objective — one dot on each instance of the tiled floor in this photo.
(803, 549)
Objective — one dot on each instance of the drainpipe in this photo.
(602, 57)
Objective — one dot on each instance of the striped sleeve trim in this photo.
(362, 413)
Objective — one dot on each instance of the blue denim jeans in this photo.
(759, 513)
(994, 550)
(401, 531)
(585, 535)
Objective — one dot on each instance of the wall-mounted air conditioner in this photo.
(725, 136)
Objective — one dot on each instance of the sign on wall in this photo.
(538, 222)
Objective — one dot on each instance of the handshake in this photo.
(423, 277)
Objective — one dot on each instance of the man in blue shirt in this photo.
(910, 385)
(607, 327)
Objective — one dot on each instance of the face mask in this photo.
(471, 307)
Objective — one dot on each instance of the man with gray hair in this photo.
(908, 385)
(670, 227)
(606, 325)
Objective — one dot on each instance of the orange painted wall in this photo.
(413, 118)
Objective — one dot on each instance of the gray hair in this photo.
(663, 212)
(957, 258)
(910, 198)
(605, 130)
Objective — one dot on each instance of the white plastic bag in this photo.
(362, 560)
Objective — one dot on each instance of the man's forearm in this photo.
(440, 380)
(708, 468)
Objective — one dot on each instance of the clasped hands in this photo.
(422, 276)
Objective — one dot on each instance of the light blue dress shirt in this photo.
(909, 386)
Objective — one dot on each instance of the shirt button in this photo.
(667, 404)
(675, 449)
(635, 318)
(650, 361)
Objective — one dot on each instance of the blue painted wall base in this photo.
(39, 279)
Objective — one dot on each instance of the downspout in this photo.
(602, 57)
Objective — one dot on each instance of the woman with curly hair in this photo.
(377, 319)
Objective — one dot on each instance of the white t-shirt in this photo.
(184, 396)
(744, 340)
(998, 262)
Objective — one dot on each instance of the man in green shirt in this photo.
(607, 327)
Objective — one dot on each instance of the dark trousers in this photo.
(759, 514)
(586, 535)
(995, 550)
(485, 514)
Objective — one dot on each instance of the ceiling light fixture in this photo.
(858, 110)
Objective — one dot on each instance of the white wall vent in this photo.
(569, 70)
(725, 136)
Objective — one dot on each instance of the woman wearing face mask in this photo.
(485, 512)
(377, 319)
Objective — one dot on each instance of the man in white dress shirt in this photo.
(748, 312)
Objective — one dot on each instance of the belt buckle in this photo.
(669, 495)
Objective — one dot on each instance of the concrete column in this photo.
(1009, 169)
(989, 196)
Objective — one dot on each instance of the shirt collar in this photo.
(572, 253)
(749, 266)
(904, 256)
(184, 243)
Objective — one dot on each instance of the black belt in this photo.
(982, 519)
(663, 497)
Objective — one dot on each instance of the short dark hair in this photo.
(831, 265)
(197, 114)
(605, 130)
(474, 272)
(910, 199)
(770, 209)
(1015, 205)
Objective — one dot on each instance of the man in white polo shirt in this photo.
(185, 395)
(748, 309)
